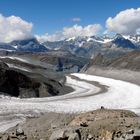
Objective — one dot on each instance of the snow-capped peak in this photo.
(133, 38)
(119, 36)
(99, 39)
(70, 39)
(15, 46)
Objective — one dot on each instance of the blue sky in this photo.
(52, 15)
(59, 19)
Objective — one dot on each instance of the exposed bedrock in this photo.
(16, 84)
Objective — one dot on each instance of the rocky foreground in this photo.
(101, 124)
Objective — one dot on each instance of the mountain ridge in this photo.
(80, 46)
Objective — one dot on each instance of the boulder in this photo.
(73, 136)
(58, 135)
(65, 134)
(84, 124)
(4, 137)
(90, 137)
(19, 131)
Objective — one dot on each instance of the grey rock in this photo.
(19, 131)
(65, 134)
(137, 132)
(58, 134)
(90, 137)
(53, 126)
(4, 137)
(22, 137)
(73, 136)
(131, 131)
(84, 124)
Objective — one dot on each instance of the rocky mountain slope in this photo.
(19, 83)
(56, 61)
(129, 61)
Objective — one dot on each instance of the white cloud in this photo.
(76, 19)
(125, 22)
(74, 31)
(14, 27)
(54, 37)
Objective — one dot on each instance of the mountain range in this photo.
(80, 46)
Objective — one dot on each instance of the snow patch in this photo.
(18, 67)
(15, 58)
(15, 46)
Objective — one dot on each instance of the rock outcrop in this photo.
(17, 84)
(66, 134)
(17, 135)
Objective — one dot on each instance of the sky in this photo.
(54, 19)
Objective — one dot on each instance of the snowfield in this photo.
(86, 97)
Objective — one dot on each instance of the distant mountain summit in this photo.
(120, 41)
(28, 45)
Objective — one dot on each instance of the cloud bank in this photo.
(13, 27)
(126, 22)
(74, 31)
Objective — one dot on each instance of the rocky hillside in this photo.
(102, 124)
(17, 83)
(60, 61)
(129, 61)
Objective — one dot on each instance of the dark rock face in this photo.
(13, 82)
(19, 85)
(29, 45)
(125, 43)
